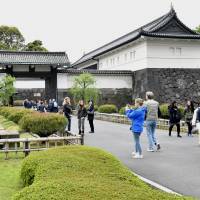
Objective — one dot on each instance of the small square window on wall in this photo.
(125, 56)
(172, 50)
(117, 59)
(132, 55)
(178, 51)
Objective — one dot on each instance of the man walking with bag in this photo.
(153, 112)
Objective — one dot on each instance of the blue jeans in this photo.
(138, 148)
(151, 127)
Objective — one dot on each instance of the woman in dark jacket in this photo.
(174, 118)
(82, 114)
(67, 110)
(90, 113)
(189, 111)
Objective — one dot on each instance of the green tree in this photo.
(7, 89)
(84, 88)
(197, 29)
(11, 38)
(36, 45)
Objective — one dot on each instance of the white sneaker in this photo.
(150, 150)
(137, 156)
(133, 153)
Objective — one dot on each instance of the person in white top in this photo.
(196, 120)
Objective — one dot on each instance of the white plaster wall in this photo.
(20, 68)
(43, 68)
(160, 54)
(123, 59)
(65, 81)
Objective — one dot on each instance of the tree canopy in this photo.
(12, 39)
(36, 45)
(84, 88)
(7, 89)
(197, 29)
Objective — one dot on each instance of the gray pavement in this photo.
(176, 166)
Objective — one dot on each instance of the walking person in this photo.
(196, 120)
(174, 118)
(153, 112)
(137, 116)
(82, 113)
(188, 113)
(67, 111)
(90, 113)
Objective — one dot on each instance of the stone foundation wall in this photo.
(174, 84)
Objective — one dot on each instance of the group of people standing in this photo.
(82, 113)
(42, 106)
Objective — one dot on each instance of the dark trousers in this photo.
(69, 123)
(189, 124)
(171, 127)
(91, 122)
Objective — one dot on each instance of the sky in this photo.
(79, 26)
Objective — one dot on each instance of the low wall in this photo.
(116, 118)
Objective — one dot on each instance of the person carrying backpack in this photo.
(174, 118)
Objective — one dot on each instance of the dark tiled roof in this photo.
(152, 27)
(104, 72)
(34, 57)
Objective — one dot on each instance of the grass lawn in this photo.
(9, 177)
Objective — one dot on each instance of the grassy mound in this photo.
(80, 172)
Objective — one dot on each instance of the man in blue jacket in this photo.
(137, 116)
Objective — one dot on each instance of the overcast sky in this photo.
(78, 26)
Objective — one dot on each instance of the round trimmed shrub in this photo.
(81, 172)
(107, 108)
(43, 124)
(17, 114)
(122, 111)
(164, 111)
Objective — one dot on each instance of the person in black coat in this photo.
(174, 118)
(82, 113)
(67, 110)
(90, 113)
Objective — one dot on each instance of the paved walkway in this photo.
(176, 166)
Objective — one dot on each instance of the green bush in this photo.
(164, 111)
(80, 172)
(14, 114)
(122, 111)
(17, 115)
(107, 108)
(43, 124)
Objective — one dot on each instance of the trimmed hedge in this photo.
(14, 114)
(80, 172)
(107, 108)
(43, 124)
